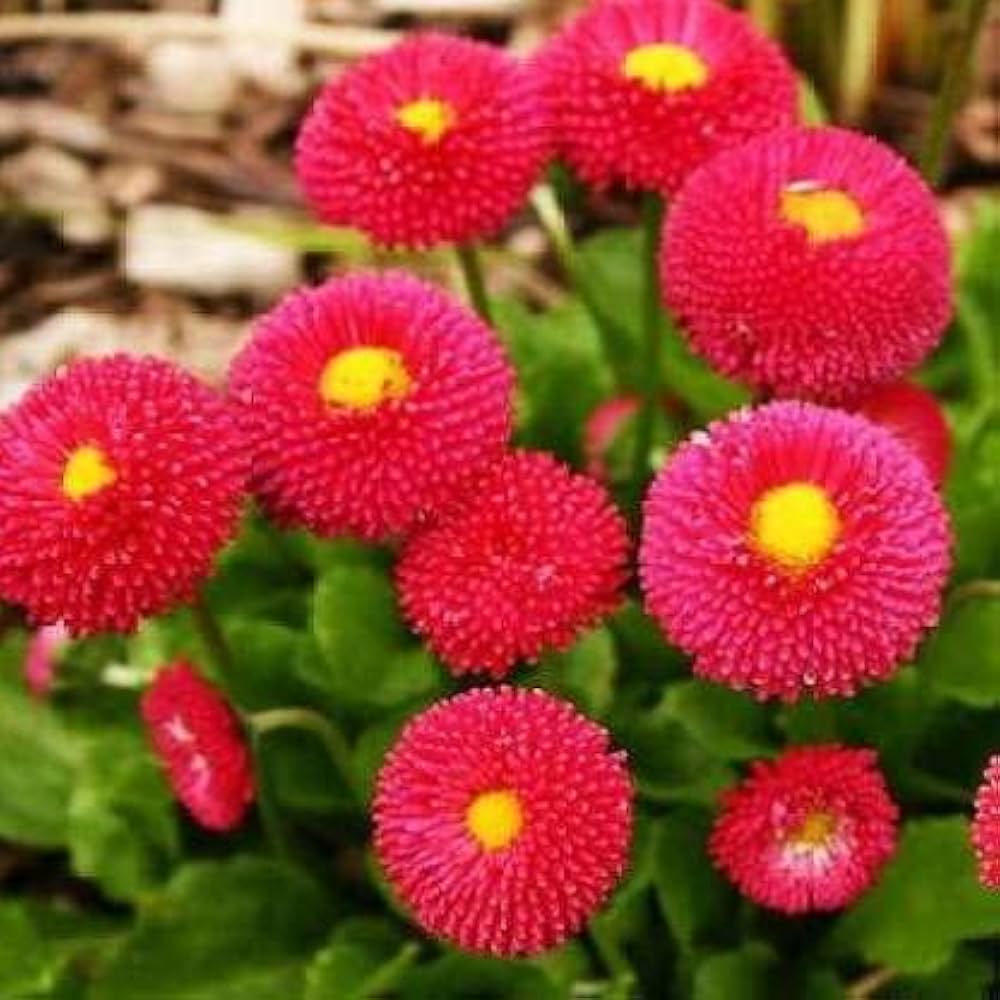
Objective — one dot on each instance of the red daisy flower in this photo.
(810, 262)
(794, 549)
(646, 90)
(809, 831)
(437, 140)
(198, 739)
(368, 401)
(503, 819)
(916, 418)
(525, 561)
(120, 480)
(986, 826)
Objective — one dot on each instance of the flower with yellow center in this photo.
(795, 525)
(495, 819)
(361, 378)
(427, 117)
(665, 67)
(87, 471)
(825, 213)
(815, 831)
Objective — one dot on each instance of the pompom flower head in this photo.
(120, 479)
(197, 738)
(809, 831)
(914, 416)
(367, 402)
(986, 826)
(503, 819)
(794, 550)
(439, 139)
(646, 90)
(523, 562)
(808, 262)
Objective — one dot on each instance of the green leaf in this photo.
(235, 930)
(366, 654)
(364, 958)
(584, 674)
(26, 967)
(609, 265)
(459, 977)
(122, 821)
(972, 494)
(262, 674)
(927, 901)
(727, 722)
(962, 658)
(561, 374)
(747, 974)
(36, 765)
(697, 903)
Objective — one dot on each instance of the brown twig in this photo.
(870, 983)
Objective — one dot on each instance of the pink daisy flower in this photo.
(794, 550)
(526, 560)
(41, 658)
(199, 742)
(646, 90)
(439, 139)
(808, 262)
(503, 820)
(367, 402)
(986, 826)
(809, 831)
(120, 480)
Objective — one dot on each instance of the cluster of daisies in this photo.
(798, 548)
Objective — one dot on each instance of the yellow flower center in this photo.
(86, 472)
(665, 67)
(427, 117)
(825, 213)
(816, 829)
(796, 525)
(361, 378)
(495, 819)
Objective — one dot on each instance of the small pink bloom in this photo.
(809, 831)
(986, 826)
(42, 657)
(198, 739)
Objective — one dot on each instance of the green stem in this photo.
(472, 273)
(310, 721)
(957, 63)
(212, 635)
(857, 75)
(652, 218)
(975, 589)
(614, 338)
(267, 808)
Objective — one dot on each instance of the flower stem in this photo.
(310, 721)
(210, 629)
(652, 218)
(615, 340)
(472, 272)
(957, 62)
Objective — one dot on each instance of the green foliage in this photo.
(926, 903)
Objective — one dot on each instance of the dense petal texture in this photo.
(503, 819)
(528, 558)
(646, 90)
(986, 826)
(794, 550)
(437, 140)
(810, 262)
(917, 419)
(367, 402)
(198, 740)
(120, 480)
(809, 831)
